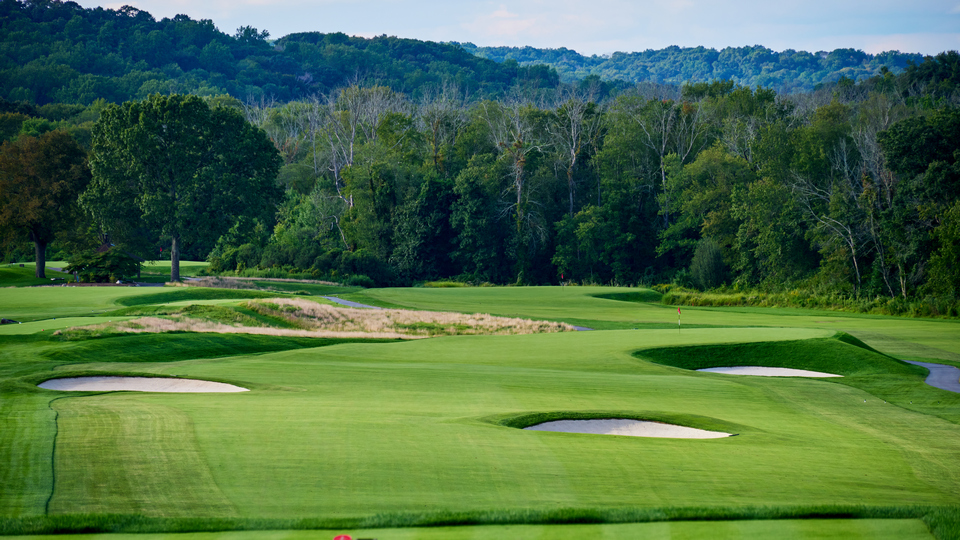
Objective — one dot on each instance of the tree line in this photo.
(59, 52)
(785, 71)
(850, 189)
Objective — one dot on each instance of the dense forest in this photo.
(55, 51)
(850, 191)
(786, 71)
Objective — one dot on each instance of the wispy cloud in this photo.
(600, 26)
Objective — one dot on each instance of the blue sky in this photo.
(599, 26)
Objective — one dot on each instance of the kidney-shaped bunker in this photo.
(137, 384)
(628, 427)
(762, 371)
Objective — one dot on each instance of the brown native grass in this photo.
(320, 320)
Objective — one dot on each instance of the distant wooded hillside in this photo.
(749, 66)
(53, 51)
(60, 52)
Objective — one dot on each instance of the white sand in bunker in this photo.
(760, 371)
(137, 384)
(630, 428)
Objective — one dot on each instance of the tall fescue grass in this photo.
(304, 318)
(220, 282)
(406, 322)
(925, 307)
(154, 325)
(943, 521)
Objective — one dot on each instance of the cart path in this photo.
(349, 303)
(941, 376)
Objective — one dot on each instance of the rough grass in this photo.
(215, 313)
(881, 305)
(401, 322)
(301, 287)
(154, 325)
(941, 521)
(305, 318)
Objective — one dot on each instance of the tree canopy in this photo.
(179, 169)
(40, 179)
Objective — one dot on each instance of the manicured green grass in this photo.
(881, 376)
(938, 340)
(182, 294)
(368, 436)
(787, 529)
(314, 289)
(12, 275)
(30, 304)
(403, 427)
(162, 268)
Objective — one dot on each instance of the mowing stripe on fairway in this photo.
(807, 529)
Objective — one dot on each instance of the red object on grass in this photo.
(343, 537)
(678, 311)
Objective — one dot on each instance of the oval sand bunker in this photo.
(630, 428)
(760, 371)
(137, 384)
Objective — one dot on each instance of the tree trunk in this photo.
(175, 259)
(40, 250)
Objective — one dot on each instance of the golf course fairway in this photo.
(423, 439)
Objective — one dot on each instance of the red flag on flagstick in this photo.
(678, 311)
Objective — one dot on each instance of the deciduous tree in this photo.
(189, 171)
(40, 179)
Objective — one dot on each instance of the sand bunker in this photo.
(137, 384)
(630, 428)
(761, 371)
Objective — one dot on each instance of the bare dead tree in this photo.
(815, 201)
(576, 122)
(515, 135)
(671, 127)
(442, 117)
(256, 109)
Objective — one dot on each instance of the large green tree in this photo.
(40, 179)
(184, 171)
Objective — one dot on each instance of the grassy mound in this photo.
(175, 347)
(183, 294)
(644, 295)
(862, 367)
(840, 355)
(14, 276)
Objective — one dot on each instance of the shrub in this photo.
(707, 269)
(360, 280)
(109, 266)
